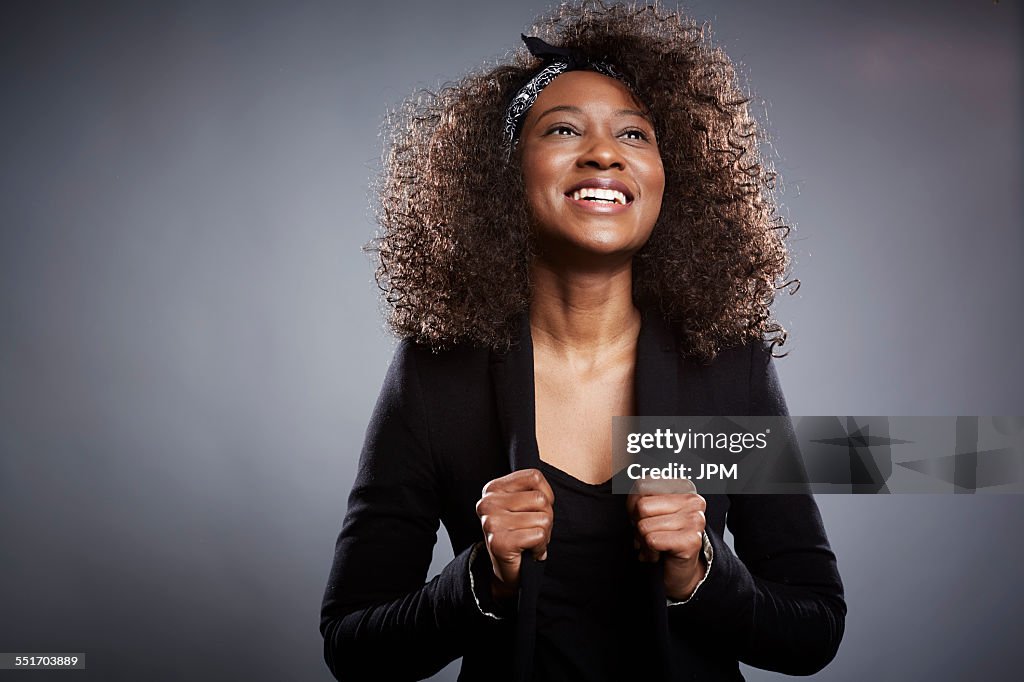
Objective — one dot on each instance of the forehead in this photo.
(585, 90)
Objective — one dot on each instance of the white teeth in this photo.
(596, 193)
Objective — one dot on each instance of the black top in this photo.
(590, 624)
(447, 423)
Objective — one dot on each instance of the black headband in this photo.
(557, 60)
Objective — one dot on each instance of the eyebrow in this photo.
(577, 110)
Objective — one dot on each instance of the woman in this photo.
(583, 233)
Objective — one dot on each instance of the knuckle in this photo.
(643, 507)
(498, 543)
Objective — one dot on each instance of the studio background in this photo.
(192, 341)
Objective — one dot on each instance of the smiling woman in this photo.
(592, 172)
(455, 244)
(584, 233)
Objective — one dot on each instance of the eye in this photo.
(635, 134)
(562, 130)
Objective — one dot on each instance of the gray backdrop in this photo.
(192, 344)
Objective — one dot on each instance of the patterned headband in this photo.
(557, 60)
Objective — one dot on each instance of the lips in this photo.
(607, 188)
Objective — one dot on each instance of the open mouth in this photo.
(601, 191)
(608, 196)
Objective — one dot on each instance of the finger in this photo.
(681, 544)
(545, 488)
(656, 505)
(518, 481)
(523, 501)
(507, 546)
(663, 486)
(683, 520)
(508, 521)
(645, 553)
(645, 488)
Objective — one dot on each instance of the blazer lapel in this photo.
(657, 376)
(657, 368)
(512, 377)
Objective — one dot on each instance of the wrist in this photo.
(704, 561)
(482, 583)
(685, 591)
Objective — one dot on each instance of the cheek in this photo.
(540, 199)
(536, 199)
(656, 187)
(535, 181)
(658, 176)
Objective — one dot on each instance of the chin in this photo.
(613, 241)
(600, 251)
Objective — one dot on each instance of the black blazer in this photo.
(447, 423)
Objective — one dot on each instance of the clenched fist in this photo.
(516, 515)
(669, 520)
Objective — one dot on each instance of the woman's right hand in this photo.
(516, 515)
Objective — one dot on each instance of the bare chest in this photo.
(574, 418)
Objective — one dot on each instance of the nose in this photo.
(603, 153)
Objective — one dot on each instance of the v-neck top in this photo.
(590, 625)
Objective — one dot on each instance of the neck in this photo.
(583, 315)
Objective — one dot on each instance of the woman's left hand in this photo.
(669, 520)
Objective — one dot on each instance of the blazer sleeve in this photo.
(778, 600)
(379, 620)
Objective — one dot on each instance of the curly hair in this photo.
(454, 253)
